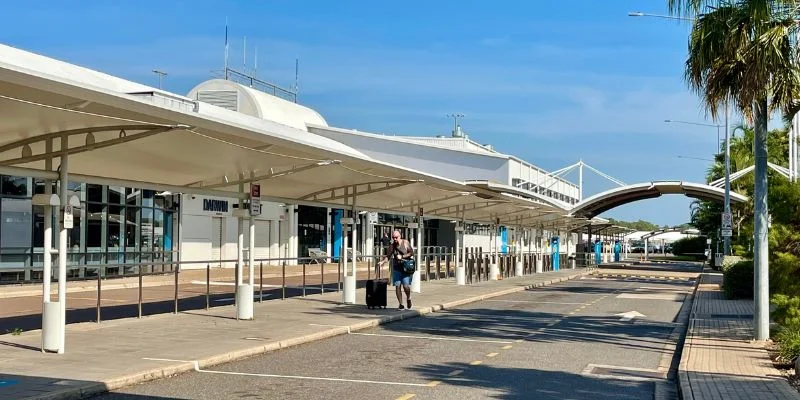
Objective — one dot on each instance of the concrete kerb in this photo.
(684, 385)
(188, 366)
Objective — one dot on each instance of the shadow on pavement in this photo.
(525, 384)
(21, 386)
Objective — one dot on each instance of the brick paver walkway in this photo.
(719, 360)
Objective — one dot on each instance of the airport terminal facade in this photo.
(122, 227)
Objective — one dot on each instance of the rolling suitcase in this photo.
(376, 293)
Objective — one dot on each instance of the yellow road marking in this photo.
(476, 362)
(456, 372)
(406, 396)
(492, 354)
(433, 383)
(506, 347)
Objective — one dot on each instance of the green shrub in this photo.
(737, 280)
(788, 339)
(787, 310)
(690, 245)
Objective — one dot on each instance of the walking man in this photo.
(399, 250)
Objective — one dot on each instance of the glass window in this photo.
(94, 226)
(38, 226)
(16, 223)
(131, 231)
(14, 186)
(116, 216)
(146, 237)
(132, 196)
(147, 198)
(94, 193)
(158, 230)
(115, 194)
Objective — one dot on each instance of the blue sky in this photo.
(549, 82)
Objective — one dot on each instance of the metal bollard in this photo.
(177, 269)
(322, 278)
(236, 284)
(208, 285)
(99, 291)
(140, 291)
(304, 279)
(283, 284)
(261, 282)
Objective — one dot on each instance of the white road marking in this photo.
(652, 296)
(529, 301)
(314, 378)
(433, 338)
(629, 315)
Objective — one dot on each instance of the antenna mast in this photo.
(296, 78)
(225, 73)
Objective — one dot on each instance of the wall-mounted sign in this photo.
(68, 220)
(215, 205)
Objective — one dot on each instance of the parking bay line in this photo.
(311, 378)
(433, 338)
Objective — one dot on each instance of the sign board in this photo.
(459, 229)
(727, 232)
(413, 225)
(726, 221)
(255, 200)
(347, 221)
(708, 241)
(372, 218)
(68, 223)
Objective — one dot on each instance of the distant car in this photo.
(637, 249)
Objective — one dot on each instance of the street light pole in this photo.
(727, 239)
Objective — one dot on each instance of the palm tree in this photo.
(741, 53)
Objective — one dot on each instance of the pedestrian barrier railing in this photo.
(301, 275)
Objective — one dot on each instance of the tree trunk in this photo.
(761, 221)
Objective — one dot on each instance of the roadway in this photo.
(593, 338)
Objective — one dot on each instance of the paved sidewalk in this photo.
(719, 359)
(119, 353)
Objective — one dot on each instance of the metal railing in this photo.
(438, 263)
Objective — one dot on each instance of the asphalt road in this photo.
(566, 341)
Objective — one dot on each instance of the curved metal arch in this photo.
(616, 197)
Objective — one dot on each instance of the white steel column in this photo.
(240, 237)
(47, 256)
(416, 285)
(349, 279)
(461, 268)
(62, 249)
(518, 237)
(494, 270)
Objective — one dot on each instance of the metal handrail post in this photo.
(283, 284)
(208, 286)
(99, 291)
(177, 270)
(260, 281)
(304, 279)
(322, 278)
(140, 290)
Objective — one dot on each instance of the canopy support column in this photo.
(416, 285)
(349, 278)
(494, 270)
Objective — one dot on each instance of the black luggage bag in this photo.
(376, 293)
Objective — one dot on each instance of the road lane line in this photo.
(433, 338)
(313, 378)
(406, 396)
(492, 354)
(476, 362)
(507, 347)
(433, 383)
(528, 301)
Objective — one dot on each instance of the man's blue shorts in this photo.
(400, 277)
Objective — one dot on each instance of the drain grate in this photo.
(723, 316)
(624, 373)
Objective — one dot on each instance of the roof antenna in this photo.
(244, 52)
(296, 79)
(225, 73)
(255, 65)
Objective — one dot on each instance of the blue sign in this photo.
(555, 247)
(598, 249)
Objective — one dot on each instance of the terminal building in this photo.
(127, 226)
